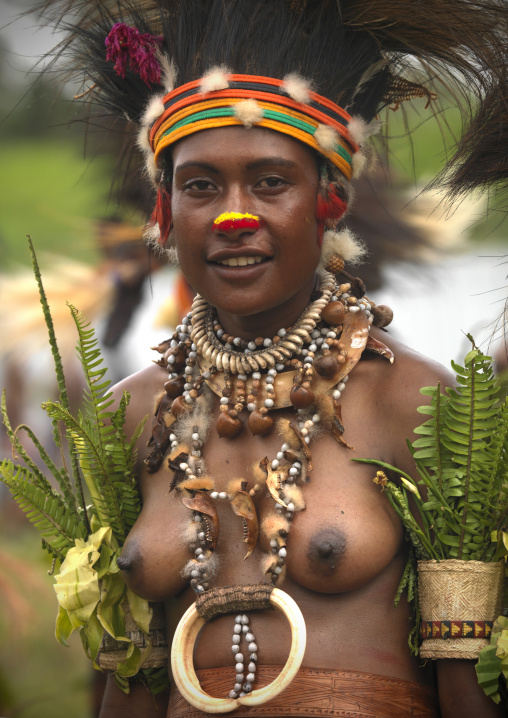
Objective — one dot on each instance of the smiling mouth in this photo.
(240, 261)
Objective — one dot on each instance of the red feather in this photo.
(329, 206)
(161, 214)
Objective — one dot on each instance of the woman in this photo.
(260, 401)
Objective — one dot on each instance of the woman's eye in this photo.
(199, 185)
(271, 182)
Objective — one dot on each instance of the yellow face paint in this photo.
(232, 221)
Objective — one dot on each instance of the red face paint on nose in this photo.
(232, 221)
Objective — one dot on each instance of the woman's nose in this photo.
(234, 224)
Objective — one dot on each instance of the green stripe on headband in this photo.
(268, 114)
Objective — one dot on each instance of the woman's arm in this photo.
(138, 704)
(460, 696)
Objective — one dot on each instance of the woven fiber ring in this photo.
(184, 674)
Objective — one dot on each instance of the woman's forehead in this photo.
(247, 146)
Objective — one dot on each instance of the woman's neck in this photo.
(270, 321)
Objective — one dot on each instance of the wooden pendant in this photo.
(243, 506)
(179, 407)
(326, 366)
(334, 313)
(174, 387)
(228, 426)
(383, 315)
(338, 427)
(260, 424)
(202, 502)
(376, 347)
(274, 485)
(301, 397)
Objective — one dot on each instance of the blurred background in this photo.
(442, 270)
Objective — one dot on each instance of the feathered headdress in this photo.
(360, 55)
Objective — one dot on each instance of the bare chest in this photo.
(342, 539)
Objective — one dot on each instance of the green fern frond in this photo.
(97, 399)
(49, 513)
(90, 442)
(57, 360)
(60, 475)
(19, 450)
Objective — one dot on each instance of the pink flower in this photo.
(128, 48)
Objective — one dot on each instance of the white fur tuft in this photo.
(248, 112)
(294, 494)
(326, 137)
(200, 417)
(151, 234)
(358, 164)
(154, 109)
(168, 72)
(171, 255)
(189, 532)
(345, 243)
(143, 141)
(215, 79)
(297, 87)
(360, 131)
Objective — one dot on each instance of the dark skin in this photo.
(346, 549)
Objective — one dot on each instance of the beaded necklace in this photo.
(306, 367)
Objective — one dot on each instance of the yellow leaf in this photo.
(77, 585)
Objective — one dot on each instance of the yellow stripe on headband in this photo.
(213, 122)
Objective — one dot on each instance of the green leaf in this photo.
(93, 632)
(63, 626)
(135, 659)
(109, 611)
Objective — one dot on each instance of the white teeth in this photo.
(240, 261)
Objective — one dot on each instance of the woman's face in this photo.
(264, 173)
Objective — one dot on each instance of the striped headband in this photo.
(252, 100)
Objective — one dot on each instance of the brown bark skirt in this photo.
(319, 692)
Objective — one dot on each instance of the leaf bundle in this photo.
(102, 458)
(461, 457)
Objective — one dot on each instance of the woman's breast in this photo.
(341, 543)
(344, 538)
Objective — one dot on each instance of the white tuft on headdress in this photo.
(326, 137)
(297, 87)
(154, 109)
(358, 164)
(168, 72)
(359, 130)
(143, 141)
(344, 243)
(215, 79)
(151, 233)
(248, 112)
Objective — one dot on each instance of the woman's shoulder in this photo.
(410, 369)
(144, 387)
(392, 391)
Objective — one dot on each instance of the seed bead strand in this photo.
(244, 682)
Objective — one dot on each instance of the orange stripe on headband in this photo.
(215, 122)
(262, 80)
(304, 111)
